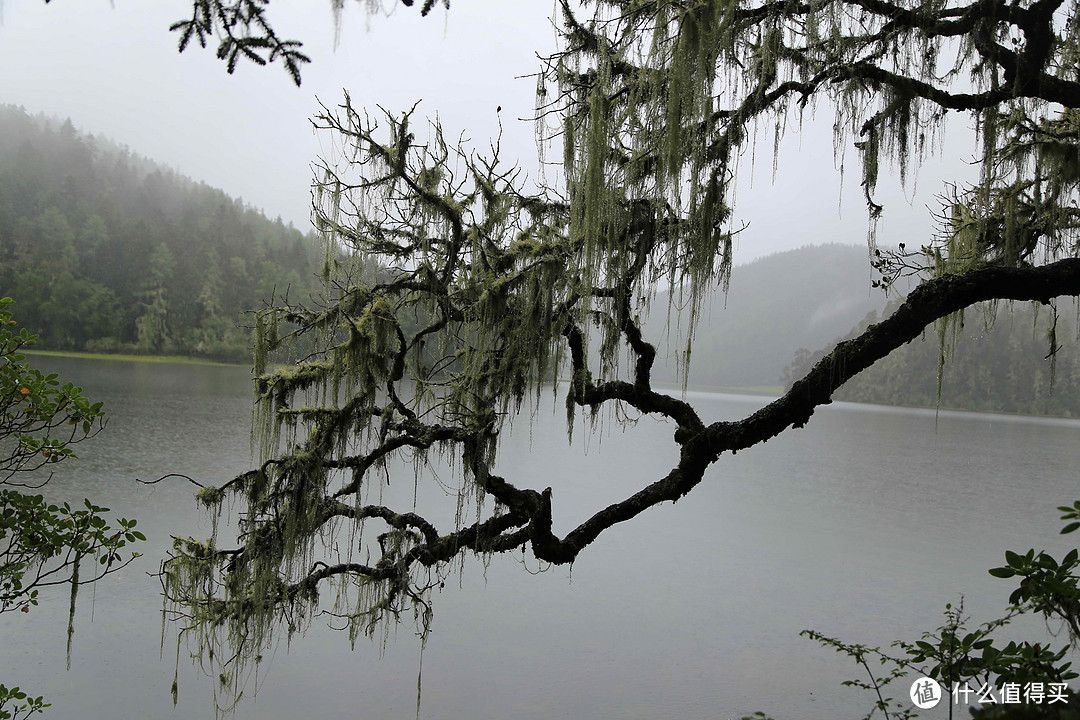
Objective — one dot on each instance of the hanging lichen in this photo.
(457, 288)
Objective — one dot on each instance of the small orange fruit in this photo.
(24, 391)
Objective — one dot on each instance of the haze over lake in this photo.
(862, 525)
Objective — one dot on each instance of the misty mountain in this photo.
(785, 311)
(803, 298)
(993, 357)
(104, 250)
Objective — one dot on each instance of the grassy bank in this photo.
(176, 359)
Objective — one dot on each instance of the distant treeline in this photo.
(105, 251)
(1015, 358)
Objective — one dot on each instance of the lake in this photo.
(861, 525)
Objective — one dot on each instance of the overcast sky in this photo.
(113, 68)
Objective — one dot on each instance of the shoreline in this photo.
(166, 359)
(753, 391)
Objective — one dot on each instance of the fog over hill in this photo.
(804, 298)
(107, 251)
(784, 312)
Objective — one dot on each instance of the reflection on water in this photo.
(862, 525)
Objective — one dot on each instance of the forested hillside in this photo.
(785, 311)
(998, 359)
(1008, 357)
(105, 251)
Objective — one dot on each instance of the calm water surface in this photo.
(862, 525)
